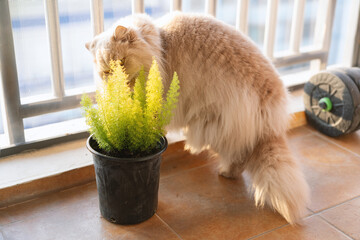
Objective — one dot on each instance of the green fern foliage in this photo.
(130, 120)
(171, 101)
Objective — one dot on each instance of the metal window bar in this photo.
(97, 16)
(210, 7)
(97, 25)
(242, 16)
(175, 5)
(53, 29)
(270, 28)
(352, 54)
(137, 6)
(323, 27)
(297, 25)
(318, 55)
(14, 111)
(10, 95)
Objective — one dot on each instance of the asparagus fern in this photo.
(130, 120)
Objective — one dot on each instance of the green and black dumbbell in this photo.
(332, 101)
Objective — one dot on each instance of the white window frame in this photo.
(14, 111)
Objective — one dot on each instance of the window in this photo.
(52, 68)
(28, 18)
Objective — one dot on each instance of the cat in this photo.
(231, 98)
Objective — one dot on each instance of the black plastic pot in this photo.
(127, 187)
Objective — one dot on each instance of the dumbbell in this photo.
(332, 101)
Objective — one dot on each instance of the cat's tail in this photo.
(278, 180)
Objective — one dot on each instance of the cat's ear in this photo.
(120, 32)
(87, 45)
(123, 33)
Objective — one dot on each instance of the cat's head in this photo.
(133, 40)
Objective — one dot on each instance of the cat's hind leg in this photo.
(201, 135)
(227, 169)
(231, 164)
(221, 132)
(206, 133)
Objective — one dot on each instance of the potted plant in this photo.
(127, 140)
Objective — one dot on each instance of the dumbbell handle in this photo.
(325, 104)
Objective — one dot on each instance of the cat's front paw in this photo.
(192, 149)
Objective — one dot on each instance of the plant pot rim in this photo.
(164, 144)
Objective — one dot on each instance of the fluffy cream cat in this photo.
(232, 99)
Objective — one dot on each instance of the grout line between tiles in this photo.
(49, 212)
(338, 145)
(285, 225)
(304, 128)
(18, 203)
(337, 205)
(268, 231)
(299, 137)
(169, 227)
(336, 228)
(78, 186)
(187, 170)
(282, 226)
(46, 195)
(312, 215)
(312, 212)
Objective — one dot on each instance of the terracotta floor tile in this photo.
(298, 132)
(175, 160)
(82, 220)
(349, 141)
(330, 171)
(199, 204)
(48, 203)
(346, 217)
(311, 128)
(195, 203)
(313, 228)
(4, 219)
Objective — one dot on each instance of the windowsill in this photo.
(31, 173)
(71, 157)
(296, 79)
(41, 163)
(53, 160)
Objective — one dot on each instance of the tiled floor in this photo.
(195, 203)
